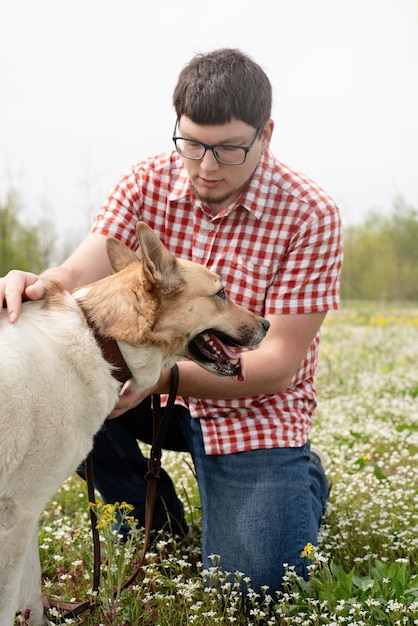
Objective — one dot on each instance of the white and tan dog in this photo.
(56, 388)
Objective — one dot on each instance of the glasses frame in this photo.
(213, 148)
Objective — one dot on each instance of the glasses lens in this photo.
(231, 155)
(190, 149)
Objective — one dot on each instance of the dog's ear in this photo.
(120, 256)
(159, 265)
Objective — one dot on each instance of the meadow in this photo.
(364, 569)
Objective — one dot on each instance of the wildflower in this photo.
(308, 552)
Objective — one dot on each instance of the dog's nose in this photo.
(265, 324)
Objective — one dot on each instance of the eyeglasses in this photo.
(228, 155)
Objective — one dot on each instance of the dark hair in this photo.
(213, 88)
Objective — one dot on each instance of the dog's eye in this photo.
(222, 293)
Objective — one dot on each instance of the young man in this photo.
(222, 199)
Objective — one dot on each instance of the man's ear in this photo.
(267, 134)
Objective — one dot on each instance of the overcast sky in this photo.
(86, 91)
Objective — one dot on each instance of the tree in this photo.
(404, 241)
(22, 247)
(381, 255)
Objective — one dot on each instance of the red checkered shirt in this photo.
(278, 250)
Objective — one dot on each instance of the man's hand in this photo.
(129, 397)
(17, 286)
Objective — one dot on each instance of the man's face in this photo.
(218, 184)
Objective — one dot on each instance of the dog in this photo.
(57, 387)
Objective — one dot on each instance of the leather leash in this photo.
(161, 418)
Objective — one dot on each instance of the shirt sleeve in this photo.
(309, 276)
(121, 211)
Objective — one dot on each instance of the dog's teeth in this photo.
(217, 352)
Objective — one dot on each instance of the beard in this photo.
(216, 199)
(213, 199)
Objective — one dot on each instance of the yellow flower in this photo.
(106, 513)
(308, 551)
(126, 507)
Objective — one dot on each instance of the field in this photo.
(364, 570)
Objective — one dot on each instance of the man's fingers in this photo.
(17, 286)
(13, 302)
(128, 399)
(36, 290)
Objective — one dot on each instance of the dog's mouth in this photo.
(210, 348)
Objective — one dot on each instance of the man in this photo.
(274, 236)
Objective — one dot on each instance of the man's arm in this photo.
(268, 369)
(88, 263)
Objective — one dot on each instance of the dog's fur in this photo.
(57, 389)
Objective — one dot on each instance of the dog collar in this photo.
(111, 352)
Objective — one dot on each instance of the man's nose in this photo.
(208, 161)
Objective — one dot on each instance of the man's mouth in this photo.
(208, 183)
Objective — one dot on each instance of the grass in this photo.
(364, 570)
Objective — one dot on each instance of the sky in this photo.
(86, 90)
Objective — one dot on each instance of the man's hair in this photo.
(213, 88)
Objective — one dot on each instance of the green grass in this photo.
(364, 570)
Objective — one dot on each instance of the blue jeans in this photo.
(259, 508)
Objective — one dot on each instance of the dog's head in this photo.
(178, 306)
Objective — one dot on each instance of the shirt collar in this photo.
(182, 188)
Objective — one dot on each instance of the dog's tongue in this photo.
(236, 357)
